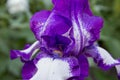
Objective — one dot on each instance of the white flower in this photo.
(16, 6)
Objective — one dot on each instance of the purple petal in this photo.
(53, 34)
(80, 67)
(84, 66)
(70, 7)
(57, 42)
(84, 69)
(77, 20)
(56, 68)
(38, 21)
(52, 68)
(102, 58)
(90, 28)
(26, 53)
(86, 30)
(28, 70)
(86, 27)
(74, 65)
(44, 23)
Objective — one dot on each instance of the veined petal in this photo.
(71, 6)
(84, 68)
(49, 23)
(53, 69)
(29, 69)
(102, 58)
(38, 21)
(77, 16)
(50, 68)
(86, 26)
(90, 28)
(56, 25)
(53, 29)
(26, 53)
(74, 66)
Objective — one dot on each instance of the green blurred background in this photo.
(15, 33)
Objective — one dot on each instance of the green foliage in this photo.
(15, 33)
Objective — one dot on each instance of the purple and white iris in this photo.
(65, 36)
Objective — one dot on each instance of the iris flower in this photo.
(65, 38)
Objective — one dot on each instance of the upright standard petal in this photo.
(51, 25)
(102, 58)
(90, 28)
(77, 20)
(85, 26)
(55, 27)
(71, 6)
(38, 21)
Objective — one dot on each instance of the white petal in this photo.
(118, 69)
(33, 47)
(107, 58)
(52, 69)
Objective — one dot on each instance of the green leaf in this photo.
(116, 8)
(3, 63)
(113, 46)
(15, 67)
